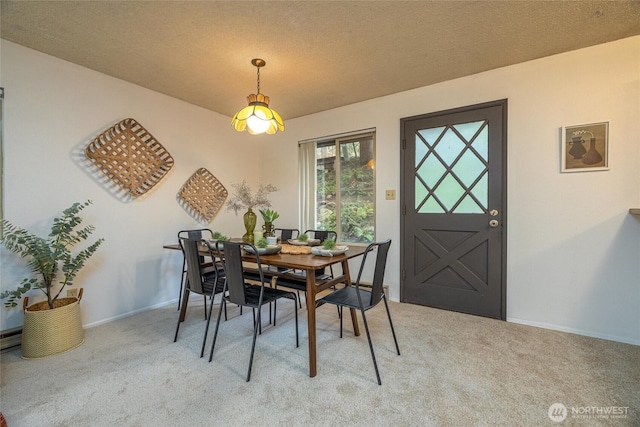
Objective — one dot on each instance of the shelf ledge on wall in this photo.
(634, 211)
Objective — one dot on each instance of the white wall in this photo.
(53, 109)
(573, 249)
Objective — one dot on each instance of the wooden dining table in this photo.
(308, 263)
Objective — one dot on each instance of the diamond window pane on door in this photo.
(450, 147)
(202, 195)
(130, 157)
(469, 168)
(431, 170)
(481, 143)
(449, 192)
(451, 168)
(468, 130)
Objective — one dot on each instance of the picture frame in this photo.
(585, 148)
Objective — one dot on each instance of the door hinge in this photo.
(404, 144)
(404, 209)
(404, 274)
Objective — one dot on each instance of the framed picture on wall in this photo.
(585, 148)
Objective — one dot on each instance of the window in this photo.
(342, 191)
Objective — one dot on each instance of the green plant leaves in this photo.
(269, 215)
(43, 255)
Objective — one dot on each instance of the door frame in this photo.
(403, 204)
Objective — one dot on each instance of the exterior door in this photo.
(453, 200)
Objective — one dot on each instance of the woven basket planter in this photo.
(51, 331)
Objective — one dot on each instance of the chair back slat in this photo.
(378, 274)
(196, 234)
(288, 233)
(381, 250)
(231, 255)
(192, 259)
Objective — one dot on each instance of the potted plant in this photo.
(269, 215)
(329, 244)
(216, 235)
(54, 325)
(244, 198)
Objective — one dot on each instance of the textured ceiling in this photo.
(320, 55)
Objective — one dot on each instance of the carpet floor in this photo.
(454, 370)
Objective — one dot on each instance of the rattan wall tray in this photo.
(202, 195)
(130, 157)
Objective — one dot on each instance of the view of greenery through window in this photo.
(350, 198)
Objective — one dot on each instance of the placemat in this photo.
(295, 250)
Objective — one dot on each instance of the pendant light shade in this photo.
(257, 117)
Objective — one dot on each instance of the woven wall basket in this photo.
(202, 195)
(129, 157)
(47, 332)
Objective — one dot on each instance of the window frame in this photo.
(338, 141)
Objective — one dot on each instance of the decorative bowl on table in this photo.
(319, 250)
(308, 242)
(271, 249)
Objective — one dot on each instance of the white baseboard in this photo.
(591, 334)
(131, 313)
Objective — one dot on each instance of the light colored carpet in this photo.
(455, 370)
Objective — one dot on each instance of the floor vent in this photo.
(10, 339)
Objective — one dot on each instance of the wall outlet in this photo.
(72, 293)
(390, 194)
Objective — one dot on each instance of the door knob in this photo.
(493, 223)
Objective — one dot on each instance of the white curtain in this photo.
(307, 180)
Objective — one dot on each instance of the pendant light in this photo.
(257, 117)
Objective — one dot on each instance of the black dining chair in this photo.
(238, 291)
(357, 297)
(284, 234)
(321, 235)
(199, 233)
(200, 280)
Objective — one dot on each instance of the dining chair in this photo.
(362, 299)
(238, 291)
(198, 234)
(284, 234)
(296, 279)
(200, 280)
(321, 235)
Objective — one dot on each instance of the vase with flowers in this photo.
(244, 198)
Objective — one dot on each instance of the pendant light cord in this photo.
(258, 79)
